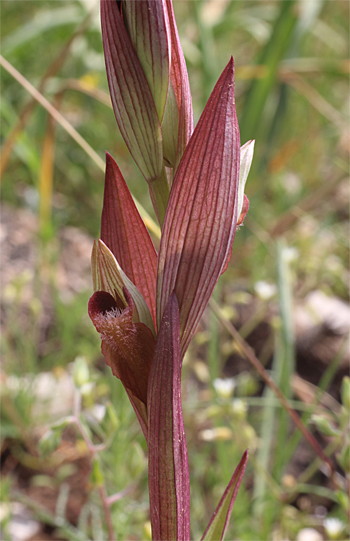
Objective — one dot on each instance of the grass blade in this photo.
(271, 56)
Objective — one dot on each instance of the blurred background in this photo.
(286, 289)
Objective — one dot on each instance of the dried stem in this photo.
(53, 112)
(314, 98)
(72, 132)
(250, 355)
(106, 508)
(28, 108)
(119, 495)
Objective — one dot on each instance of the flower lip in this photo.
(102, 302)
(127, 346)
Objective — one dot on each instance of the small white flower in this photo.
(309, 534)
(334, 527)
(219, 433)
(265, 290)
(239, 407)
(290, 254)
(224, 387)
(98, 411)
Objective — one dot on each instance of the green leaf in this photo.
(272, 54)
(218, 524)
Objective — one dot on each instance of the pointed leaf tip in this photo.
(201, 216)
(219, 522)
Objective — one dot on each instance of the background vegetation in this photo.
(286, 289)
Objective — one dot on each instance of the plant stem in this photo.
(119, 495)
(107, 511)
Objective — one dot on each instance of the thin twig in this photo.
(119, 495)
(106, 508)
(314, 98)
(53, 112)
(28, 108)
(88, 89)
(150, 223)
(250, 355)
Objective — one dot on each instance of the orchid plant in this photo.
(146, 306)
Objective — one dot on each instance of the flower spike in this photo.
(146, 307)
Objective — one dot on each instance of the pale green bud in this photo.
(111, 421)
(239, 409)
(324, 425)
(97, 477)
(81, 373)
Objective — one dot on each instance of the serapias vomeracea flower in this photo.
(149, 87)
(146, 306)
